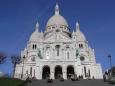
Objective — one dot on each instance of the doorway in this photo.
(46, 72)
(58, 72)
(70, 71)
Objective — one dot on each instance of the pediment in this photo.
(57, 38)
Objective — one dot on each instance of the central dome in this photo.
(57, 19)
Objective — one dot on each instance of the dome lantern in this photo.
(77, 27)
(56, 20)
(57, 9)
(37, 27)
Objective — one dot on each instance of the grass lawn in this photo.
(10, 82)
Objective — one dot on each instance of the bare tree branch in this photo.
(2, 57)
(16, 59)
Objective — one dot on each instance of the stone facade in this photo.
(57, 52)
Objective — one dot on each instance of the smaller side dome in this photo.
(79, 34)
(35, 34)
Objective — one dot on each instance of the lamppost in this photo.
(109, 56)
(22, 66)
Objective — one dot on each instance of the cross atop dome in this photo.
(57, 9)
(77, 26)
(37, 26)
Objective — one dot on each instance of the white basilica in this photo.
(57, 52)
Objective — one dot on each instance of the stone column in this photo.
(64, 72)
(52, 73)
(40, 75)
(40, 72)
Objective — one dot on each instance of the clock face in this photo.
(33, 59)
(82, 58)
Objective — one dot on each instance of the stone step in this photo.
(69, 83)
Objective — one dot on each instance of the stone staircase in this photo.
(69, 83)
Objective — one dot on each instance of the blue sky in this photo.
(96, 17)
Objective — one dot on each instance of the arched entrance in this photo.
(70, 71)
(46, 72)
(58, 72)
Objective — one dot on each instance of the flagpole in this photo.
(109, 56)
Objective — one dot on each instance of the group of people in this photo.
(109, 75)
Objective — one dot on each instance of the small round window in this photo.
(82, 58)
(33, 59)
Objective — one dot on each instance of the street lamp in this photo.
(109, 56)
(22, 66)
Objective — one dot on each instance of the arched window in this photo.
(35, 46)
(53, 27)
(48, 52)
(85, 71)
(57, 48)
(64, 27)
(49, 27)
(31, 71)
(89, 73)
(34, 72)
(80, 45)
(57, 30)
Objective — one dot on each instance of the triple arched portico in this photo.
(58, 72)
